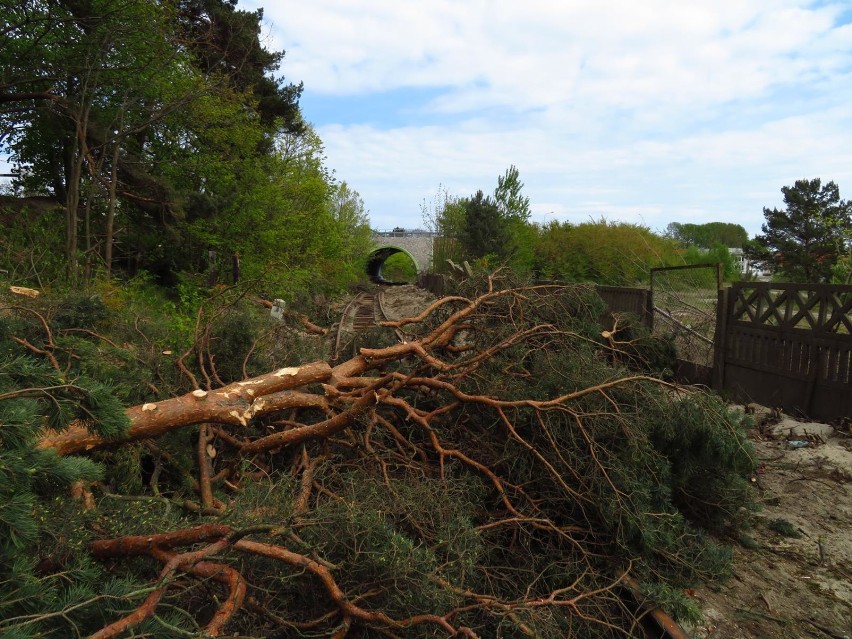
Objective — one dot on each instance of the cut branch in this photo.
(233, 404)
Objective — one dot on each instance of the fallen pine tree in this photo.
(499, 473)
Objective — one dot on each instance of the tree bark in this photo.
(234, 404)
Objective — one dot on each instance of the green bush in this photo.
(399, 268)
(81, 310)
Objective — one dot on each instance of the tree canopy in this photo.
(805, 240)
(167, 143)
(708, 235)
(605, 252)
(484, 226)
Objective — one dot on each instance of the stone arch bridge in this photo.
(417, 245)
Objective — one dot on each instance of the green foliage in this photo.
(701, 431)
(232, 336)
(512, 204)
(31, 251)
(842, 272)
(685, 456)
(32, 394)
(638, 348)
(632, 471)
(708, 235)
(613, 253)
(166, 139)
(400, 537)
(718, 254)
(225, 40)
(807, 239)
(674, 601)
(444, 215)
(80, 310)
(399, 268)
(485, 230)
(480, 226)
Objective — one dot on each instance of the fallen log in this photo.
(233, 404)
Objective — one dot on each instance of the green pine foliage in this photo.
(805, 241)
(33, 397)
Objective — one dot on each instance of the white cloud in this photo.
(548, 50)
(646, 111)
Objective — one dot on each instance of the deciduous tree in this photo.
(708, 235)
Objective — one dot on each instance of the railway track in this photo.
(361, 314)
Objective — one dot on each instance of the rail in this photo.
(362, 313)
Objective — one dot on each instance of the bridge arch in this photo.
(377, 257)
(417, 245)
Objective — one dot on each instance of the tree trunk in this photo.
(233, 404)
(110, 220)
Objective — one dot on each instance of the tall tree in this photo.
(508, 195)
(83, 82)
(515, 210)
(485, 230)
(133, 113)
(227, 41)
(805, 239)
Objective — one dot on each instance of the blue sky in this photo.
(650, 112)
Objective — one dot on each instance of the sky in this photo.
(644, 112)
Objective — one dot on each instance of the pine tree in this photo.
(806, 239)
(485, 231)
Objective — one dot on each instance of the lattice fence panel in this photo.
(789, 345)
(820, 308)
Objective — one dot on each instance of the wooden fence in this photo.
(782, 345)
(786, 346)
(619, 299)
(623, 299)
(435, 283)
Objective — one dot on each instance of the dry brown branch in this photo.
(50, 346)
(300, 504)
(183, 561)
(222, 537)
(204, 466)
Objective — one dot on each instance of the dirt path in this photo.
(405, 301)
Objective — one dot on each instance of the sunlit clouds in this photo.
(646, 112)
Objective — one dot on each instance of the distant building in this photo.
(761, 272)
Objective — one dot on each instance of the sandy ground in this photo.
(404, 301)
(793, 573)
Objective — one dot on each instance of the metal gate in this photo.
(685, 299)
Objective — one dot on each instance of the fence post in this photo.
(720, 338)
(649, 308)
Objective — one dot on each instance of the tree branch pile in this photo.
(498, 473)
